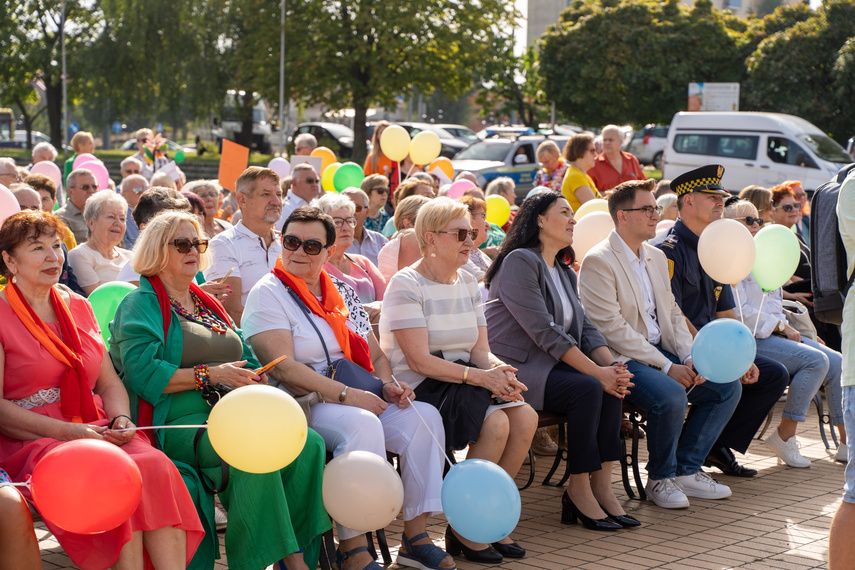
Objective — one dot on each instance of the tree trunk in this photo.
(360, 148)
(245, 136)
(53, 94)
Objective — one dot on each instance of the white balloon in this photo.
(280, 166)
(595, 205)
(362, 491)
(589, 231)
(726, 251)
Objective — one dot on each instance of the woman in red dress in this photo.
(58, 385)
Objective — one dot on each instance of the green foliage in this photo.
(513, 83)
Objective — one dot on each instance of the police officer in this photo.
(700, 201)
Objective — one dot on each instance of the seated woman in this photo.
(761, 198)
(412, 187)
(809, 363)
(286, 312)
(433, 329)
(668, 203)
(17, 540)
(577, 186)
(100, 259)
(354, 269)
(538, 325)
(210, 192)
(171, 342)
(478, 262)
(403, 247)
(59, 385)
(554, 167)
(377, 188)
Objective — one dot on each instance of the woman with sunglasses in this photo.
(300, 311)
(172, 343)
(433, 329)
(377, 188)
(577, 186)
(354, 269)
(809, 363)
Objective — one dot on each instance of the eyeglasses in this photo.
(751, 220)
(183, 245)
(310, 246)
(309, 180)
(359, 208)
(592, 150)
(787, 207)
(339, 222)
(462, 233)
(381, 190)
(140, 189)
(18, 177)
(86, 187)
(648, 210)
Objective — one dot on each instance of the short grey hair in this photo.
(302, 166)
(331, 202)
(666, 201)
(162, 179)
(614, 129)
(7, 163)
(200, 184)
(96, 202)
(500, 185)
(130, 160)
(306, 139)
(75, 174)
(45, 148)
(353, 191)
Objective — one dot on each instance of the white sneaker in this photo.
(220, 518)
(702, 486)
(666, 493)
(788, 450)
(842, 454)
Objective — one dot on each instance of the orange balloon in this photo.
(443, 164)
(327, 156)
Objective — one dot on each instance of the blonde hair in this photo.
(759, 196)
(408, 209)
(78, 139)
(548, 147)
(151, 250)
(740, 209)
(436, 215)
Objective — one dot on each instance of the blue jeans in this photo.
(811, 365)
(664, 399)
(849, 421)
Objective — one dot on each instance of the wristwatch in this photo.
(343, 396)
(781, 327)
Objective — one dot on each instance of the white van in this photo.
(754, 148)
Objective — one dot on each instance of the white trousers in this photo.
(348, 428)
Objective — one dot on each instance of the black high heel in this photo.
(570, 514)
(626, 521)
(455, 547)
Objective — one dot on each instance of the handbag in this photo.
(799, 318)
(342, 370)
(212, 395)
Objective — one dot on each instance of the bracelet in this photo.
(113, 421)
(203, 376)
(465, 374)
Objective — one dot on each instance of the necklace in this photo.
(201, 314)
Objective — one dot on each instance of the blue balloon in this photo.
(481, 501)
(723, 350)
(536, 189)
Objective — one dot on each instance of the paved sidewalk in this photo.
(779, 519)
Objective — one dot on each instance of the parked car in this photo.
(461, 133)
(510, 131)
(502, 156)
(850, 146)
(648, 144)
(19, 140)
(754, 148)
(337, 137)
(450, 145)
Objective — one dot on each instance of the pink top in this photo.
(364, 277)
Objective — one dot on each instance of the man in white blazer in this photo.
(624, 287)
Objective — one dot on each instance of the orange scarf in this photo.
(76, 401)
(332, 309)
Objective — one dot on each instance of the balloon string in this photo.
(759, 311)
(411, 170)
(427, 427)
(158, 427)
(399, 173)
(15, 485)
(739, 304)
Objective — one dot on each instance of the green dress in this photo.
(270, 515)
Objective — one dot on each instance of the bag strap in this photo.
(224, 467)
(302, 305)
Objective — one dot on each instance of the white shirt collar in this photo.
(631, 256)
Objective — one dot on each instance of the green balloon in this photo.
(348, 174)
(179, 156)
(105, 300)
(777, 258)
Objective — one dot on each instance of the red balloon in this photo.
(86, 486)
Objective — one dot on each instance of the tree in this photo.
(17, 78)
(513, 83)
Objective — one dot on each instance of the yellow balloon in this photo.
(257, 429)
(498, 210)
(326, 155)
(328, 175)
(424, 148)
(362, 490)
(595, 205)
(395, 143)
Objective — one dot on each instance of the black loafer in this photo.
(723, 459)
(512, 550)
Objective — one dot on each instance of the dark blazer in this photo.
(525, 324)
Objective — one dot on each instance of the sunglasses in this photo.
(381, 190)
(787, 207)
(183, 245)
(85, 187)
(750, 221)
(309, 180)
(462, 233)
(310, 246)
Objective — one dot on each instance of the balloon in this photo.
(665, 225)
(726, 251)
(536, 189)
(778, 255)
(327, 156)
(347, 175)
(395, 143)
(362, 491)
(589, 231)
(424, 147)
(257, 429)
(105, 300)
(280, 166)
(443, 164)
(595, 205)
(328, 177)
(49, 169)
(82, 158)
(86, 486)
(480, 501)
(179, 156)
(102, 177)
(723, 350)
(459, 188)
(498, 210)
(8, 204)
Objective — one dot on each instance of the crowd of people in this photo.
(478, 327)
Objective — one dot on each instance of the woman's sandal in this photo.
(425, 556)
(340, 558)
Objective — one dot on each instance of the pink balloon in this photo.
(48, 169)
(459, 188)
(81, 158)
(8, 204)
(102, 177)
(280, 166)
